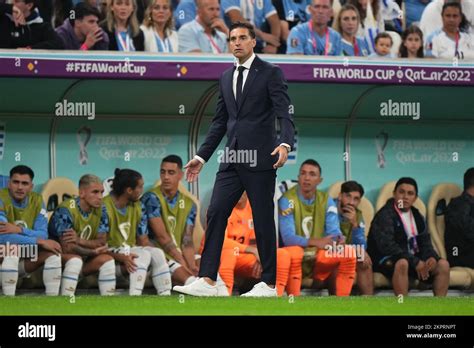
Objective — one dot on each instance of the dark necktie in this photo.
(240, 81)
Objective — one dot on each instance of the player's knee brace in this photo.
(52, 275)
(9, 272)
(70, 276)
(107, 278)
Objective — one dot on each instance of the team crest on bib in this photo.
(124, 229)
(172, 221)
(307, 226)
(86, 232)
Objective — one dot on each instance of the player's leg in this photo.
(160, 271)
(346, 271)
(283, 270)
(365, 279)
(227, 190)
(70, 276)
(293, 286)
(227, 268)
(9, 274)
(104, 265)
(400, 277)
(180, 275)
(441, 278)
(51, 271)
(137, 278)
(245, 266)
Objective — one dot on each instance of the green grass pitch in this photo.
(179, 305)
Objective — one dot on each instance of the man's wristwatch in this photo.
(287, 147)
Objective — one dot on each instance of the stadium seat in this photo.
(386, 192)
(365, 206)
(55, 191)
(397, 40)
(441, 195)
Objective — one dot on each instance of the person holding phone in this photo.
(83, 31)
(310, 232)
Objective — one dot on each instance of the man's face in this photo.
(170, 176)
(383, 46)
(92, 194)
(349, 199)
(321, 11)
(87, 24)
(241, 43)
(135, 194)
(19, 186)
(309, 177)
(209, 11)
(451, 18)
(405, 196)
(23, 7)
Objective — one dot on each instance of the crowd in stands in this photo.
(366, 28)
(129, 235)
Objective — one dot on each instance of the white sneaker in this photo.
(197, 288)
(261, 290)
(222, 290)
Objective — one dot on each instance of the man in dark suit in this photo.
(251, 95)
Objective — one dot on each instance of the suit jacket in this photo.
(251, 125)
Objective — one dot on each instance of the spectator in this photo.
(207, 33)
(60, 12)
(21, 26)
(347, 23)
(431, 19)
(121, 25)
(262, 15)
(3, 181)
(400, 244)
(414, 10)
(452, 41)
(158, 28)
(459, 235)
(291, 13)
(83, 32)
(315, 37)
(353, 228)
(383, 45)
(412, 43)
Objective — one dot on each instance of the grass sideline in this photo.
(176, 305)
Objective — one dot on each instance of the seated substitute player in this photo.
(244, 260)
(128, 235)
(309, 228)
(352, 227)
(23, 221)
(78, 223)
(400, 244)
(171, 219)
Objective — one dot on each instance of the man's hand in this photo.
(270, 49)
(93, 37)
(70, 236)
(366, 260)
(50, 245)
(282, 152)
(430, 264)
(194, 269)
(219, 24)
(422, 270)
(350, 213)
(268, 38)
(9, 228)
(320, 243)
(257, 270)
(128, 262)
(18, 16)
(101, 250)
(193, 168)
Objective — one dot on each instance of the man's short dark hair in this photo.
(352, 186)
(82, 10)
(312, 162)
(469, 178)
(123, 179)
(384, 35)
(244, 25)
(22, 170)
(406, 180)
(174, 159)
